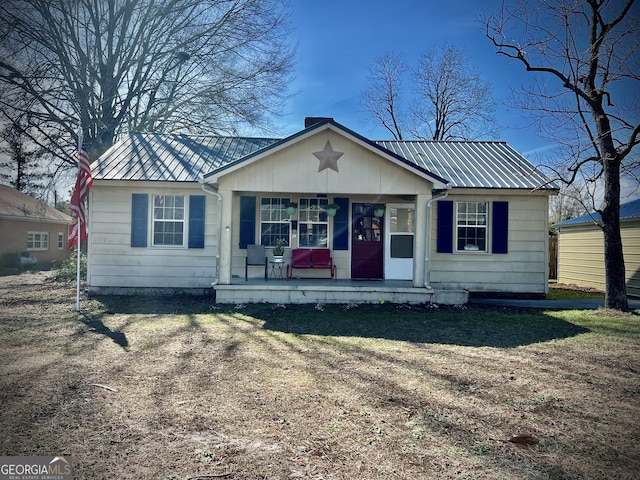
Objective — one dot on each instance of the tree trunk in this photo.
(615, 284)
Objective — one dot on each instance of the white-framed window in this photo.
(60, 240)
(471, 226)
(274, 221)
(37, 241)
(313, 225)
(168, 220)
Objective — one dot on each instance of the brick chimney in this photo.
(308, 121)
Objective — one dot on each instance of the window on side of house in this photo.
(60, 240)
(274, 221)
(471, 226)
(313, 225)
(168, 220)
(37, 241)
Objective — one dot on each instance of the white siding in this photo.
(114, 263)
(524, 269)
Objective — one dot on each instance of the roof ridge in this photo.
(443, 141)
(206, 135)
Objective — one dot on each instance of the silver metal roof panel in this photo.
(472, 164)
(185, 158)
(166, 157)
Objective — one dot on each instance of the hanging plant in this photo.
(331, 208)
(291, 208)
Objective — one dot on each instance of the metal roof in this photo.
(168, 157)
(628, 211)
(473, 164)
(185, 158)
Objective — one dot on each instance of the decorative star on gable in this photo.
(328, 158)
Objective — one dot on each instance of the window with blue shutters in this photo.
(466, 225)
(169, 224)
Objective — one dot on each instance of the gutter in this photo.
(436, 195)
(212, 191)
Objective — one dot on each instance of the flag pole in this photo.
(79, 237)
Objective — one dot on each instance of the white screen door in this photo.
(399, 245)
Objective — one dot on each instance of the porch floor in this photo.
(299, 290)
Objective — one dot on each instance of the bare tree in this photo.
(590, 48)
(382, 97)
(448, 101)
(155, 65)
(571, 202)
(19, 161)
(452, 101)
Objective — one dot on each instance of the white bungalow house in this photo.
(176, 212)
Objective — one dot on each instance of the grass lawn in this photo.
(175, 388)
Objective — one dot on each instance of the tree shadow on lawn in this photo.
(95, 324)
(477, 325)
(474, 327)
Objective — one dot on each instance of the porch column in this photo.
(224, 272)
(421, 240)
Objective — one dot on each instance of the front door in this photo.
(367, 253)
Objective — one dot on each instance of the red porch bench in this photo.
(314, 258)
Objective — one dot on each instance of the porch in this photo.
(299, 290)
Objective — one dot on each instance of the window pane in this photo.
(313, 223)
(471, 226)
(274, 221)
(402, 246)
(402, 220)
(168, 225)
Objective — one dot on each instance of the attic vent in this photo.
(308, 121)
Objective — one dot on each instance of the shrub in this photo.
(67, 270)
(10, 260)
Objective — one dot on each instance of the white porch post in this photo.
(421, 240)
(226, 226)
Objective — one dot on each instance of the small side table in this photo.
(277, 268)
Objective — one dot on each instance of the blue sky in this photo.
(338, 40)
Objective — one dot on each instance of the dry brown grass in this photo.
(259, 392)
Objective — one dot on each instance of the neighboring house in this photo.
(31, 228)
(581, 249)
(177, 212)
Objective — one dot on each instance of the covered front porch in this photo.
(299, 290)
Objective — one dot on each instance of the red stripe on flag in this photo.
(76, 204)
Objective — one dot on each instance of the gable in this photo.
(296, 167)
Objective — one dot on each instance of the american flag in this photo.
(83, 183)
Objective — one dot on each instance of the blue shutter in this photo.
(196, 221)
(247, 221)
(341, 225)
(139, 219)
(500, 228)
(445, 227)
